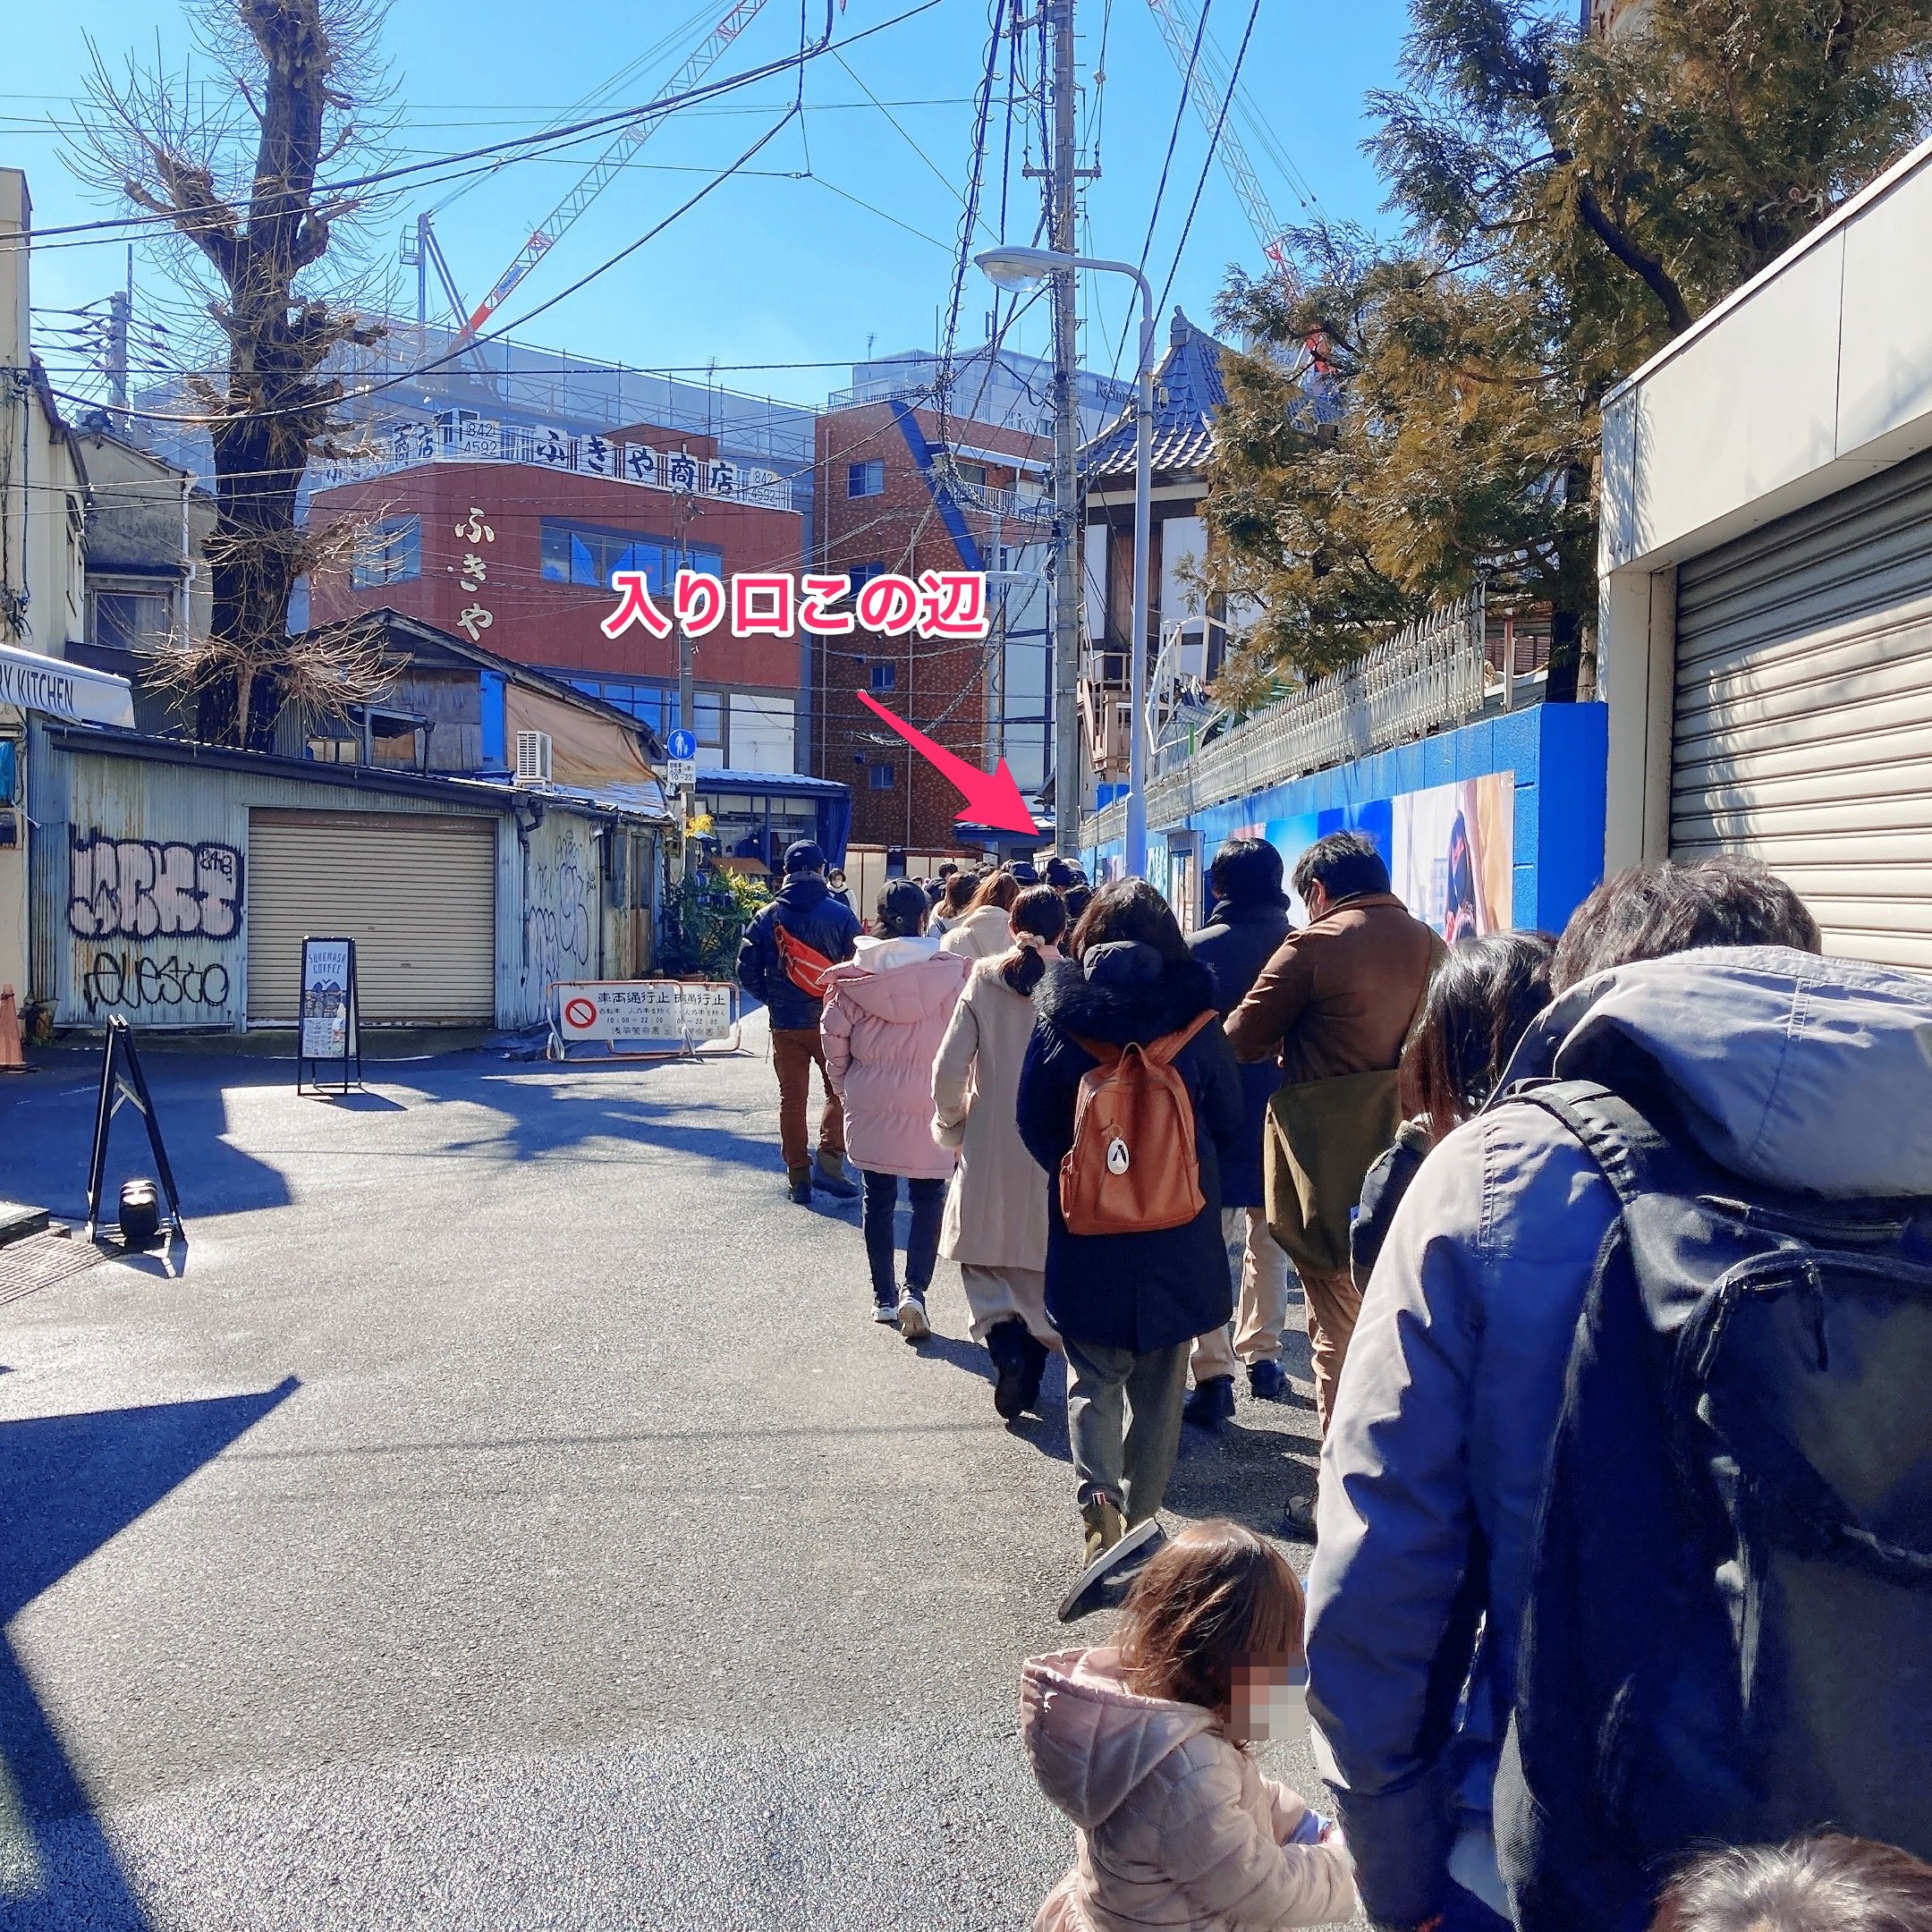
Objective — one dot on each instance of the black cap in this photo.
(804, 857)
(1023, 870)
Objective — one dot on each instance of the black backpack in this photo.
(1728, 1636)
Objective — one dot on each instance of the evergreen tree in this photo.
(1567, 202)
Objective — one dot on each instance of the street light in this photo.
(1027, 267)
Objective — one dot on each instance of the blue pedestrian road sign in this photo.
(682, 744)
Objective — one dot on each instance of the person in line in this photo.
(1247, 925)
(996, 1219)
(1434, 1469)
(1479, 1006)
(1128, 1306)
(1077, 898)
(1144, 1744)
(1334, 1006)
(1062, 874)
(1826, 1883)
(835, 886)
(787, 974)
(885, 1012)
(955, 897)
(982, 931)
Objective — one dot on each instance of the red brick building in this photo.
(517, 553)
(896, 490)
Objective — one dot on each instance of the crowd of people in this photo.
(1615, 1250)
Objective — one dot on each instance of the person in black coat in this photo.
(811, 913)
(1245, 929)
(1129, 1306)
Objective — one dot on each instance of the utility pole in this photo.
(120, 315)
(1070, 558)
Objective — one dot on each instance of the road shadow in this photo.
(67, 1484)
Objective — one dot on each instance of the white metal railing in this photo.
(480, 439)
(1430, 673)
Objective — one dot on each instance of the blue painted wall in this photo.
(1558, 753)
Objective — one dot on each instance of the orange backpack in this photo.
(1132, 1168)
(805, 966)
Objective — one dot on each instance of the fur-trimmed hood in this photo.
(1123, 992)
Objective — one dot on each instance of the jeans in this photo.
(922, 1244)
(795, 1052)
(1131, 1466)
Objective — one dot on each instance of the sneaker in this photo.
(1211, 1404)
(1298, 1519)
(1266, 1382)
(912, 1323)
(1103, 1583)
(886, 1310)
(798, 1185)
(828, 1171)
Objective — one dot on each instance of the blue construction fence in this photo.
(1498, 824)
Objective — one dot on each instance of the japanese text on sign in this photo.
(643, 1010)
(935, 604)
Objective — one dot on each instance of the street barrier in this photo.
(644, 1019)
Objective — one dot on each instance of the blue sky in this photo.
(770, 268)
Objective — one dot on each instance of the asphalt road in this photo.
(510, 1518)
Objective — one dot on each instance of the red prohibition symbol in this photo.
(580, 1013)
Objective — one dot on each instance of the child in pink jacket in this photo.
(1143, 1744)
(886, 1013)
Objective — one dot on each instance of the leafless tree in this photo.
(235, 164)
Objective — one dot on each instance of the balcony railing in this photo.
(1429, 674)
(403, 446)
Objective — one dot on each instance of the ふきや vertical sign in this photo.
(329, 1008)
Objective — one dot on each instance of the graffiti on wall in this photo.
(558, 912)
(124, 980)
(136, 888)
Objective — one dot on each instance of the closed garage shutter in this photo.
(1802, 721)
(417, 893)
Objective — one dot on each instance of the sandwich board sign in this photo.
(330, 1011)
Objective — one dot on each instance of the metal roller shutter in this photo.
(1801, 726)
(416, 892)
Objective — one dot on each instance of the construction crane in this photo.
(1180, 28)
(633, 136)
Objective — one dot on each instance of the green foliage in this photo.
(706, 919)
(1567, 205)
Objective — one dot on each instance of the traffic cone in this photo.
(12, 1059)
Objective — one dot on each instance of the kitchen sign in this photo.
(934, 604)
(52, 686)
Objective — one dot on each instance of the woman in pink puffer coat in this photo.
(886, 1013)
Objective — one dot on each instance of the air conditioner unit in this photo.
(533, 758)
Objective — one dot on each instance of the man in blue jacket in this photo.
(1248, 922)
(1433, 1467)
(813, 916)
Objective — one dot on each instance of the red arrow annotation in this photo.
(992, 798)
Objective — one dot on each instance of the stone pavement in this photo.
(511, 1518)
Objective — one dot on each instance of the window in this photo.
(583, 553)
(651, 704)
(862, 574)
(971, 473)
(884, 676)
(390, 553)
(709, 709)
(882, 777)
(865, 479)
(131, 620)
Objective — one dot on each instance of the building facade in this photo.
(516, 553)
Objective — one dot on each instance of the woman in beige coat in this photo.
(995, 1217)
(982, 931)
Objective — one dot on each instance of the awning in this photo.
(58, 689)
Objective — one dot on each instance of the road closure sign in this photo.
(645, 1013)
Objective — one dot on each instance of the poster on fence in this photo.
(645, 1009)
(1450, 849)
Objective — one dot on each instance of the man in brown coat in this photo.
(1335, 1004)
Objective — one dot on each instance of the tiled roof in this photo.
(1186, 392)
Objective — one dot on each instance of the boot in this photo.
(828, 1171)
(1103, 1524)
(1036, 1354)
(1006, 1343)
(798, 1183)
(1211, 1404)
